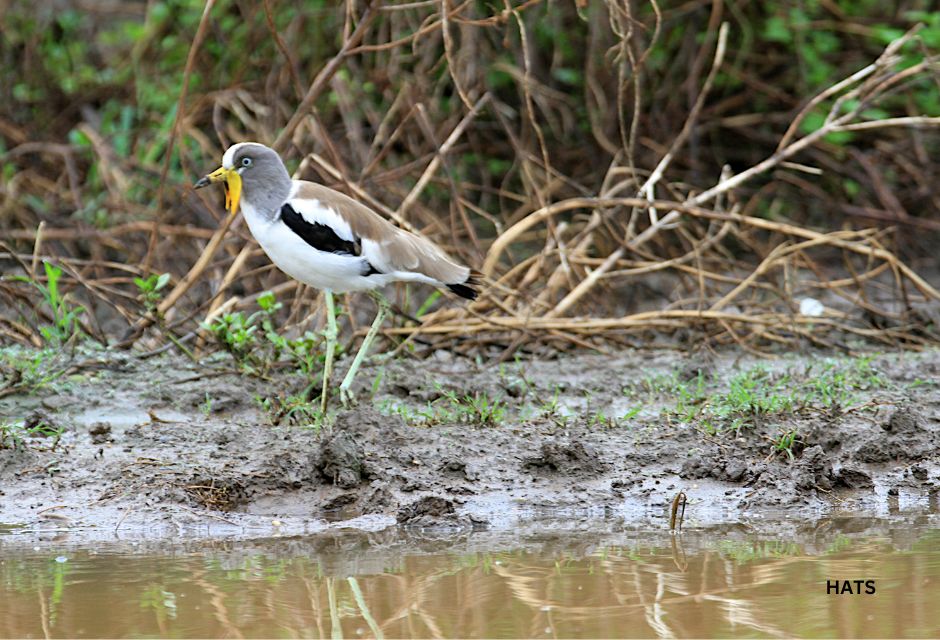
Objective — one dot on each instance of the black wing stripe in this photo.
(323, 238)
(319, 236)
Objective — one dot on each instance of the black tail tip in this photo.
(466, 289)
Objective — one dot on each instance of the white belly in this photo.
(302, 262)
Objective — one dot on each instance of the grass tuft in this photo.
(758, 394)
(478, 409)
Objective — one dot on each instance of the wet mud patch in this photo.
(624, 434)
(341, 460)
(905, 436)
(572, 458)
(216, 494)
(429, 511)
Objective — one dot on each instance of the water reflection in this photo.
(713, 582)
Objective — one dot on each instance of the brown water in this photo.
(718, 581)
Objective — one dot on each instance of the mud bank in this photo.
(151, 448)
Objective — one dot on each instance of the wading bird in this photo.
(327, 240)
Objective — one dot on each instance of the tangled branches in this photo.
(528, 140)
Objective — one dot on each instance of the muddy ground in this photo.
(164, 447)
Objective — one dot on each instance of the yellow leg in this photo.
(330, 335)
(345, 395)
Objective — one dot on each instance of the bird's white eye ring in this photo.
(246, 162)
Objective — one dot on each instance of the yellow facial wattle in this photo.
(233, 186)
(233, 191)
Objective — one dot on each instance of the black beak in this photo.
(203, 182)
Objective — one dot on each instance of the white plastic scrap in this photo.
(811, 307)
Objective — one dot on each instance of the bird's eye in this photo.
(246, 162)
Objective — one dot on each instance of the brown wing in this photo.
(391, 248)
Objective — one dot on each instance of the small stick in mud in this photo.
(677, 516)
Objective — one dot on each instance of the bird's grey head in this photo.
(266, 184)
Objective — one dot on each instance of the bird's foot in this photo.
(347, 397)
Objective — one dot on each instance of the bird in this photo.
(328, 240)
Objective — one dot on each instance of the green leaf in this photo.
(568, 76)
(53, 273)
(778, 30)
(267, 302)
(886, 34)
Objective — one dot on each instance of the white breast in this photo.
(302, 262)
